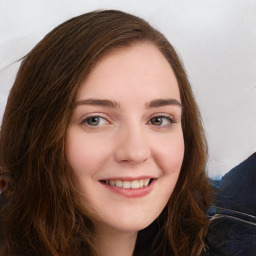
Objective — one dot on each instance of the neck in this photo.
(110, 242)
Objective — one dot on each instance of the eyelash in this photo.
(85, 120)
(167, 117)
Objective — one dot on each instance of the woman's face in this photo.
(125, 141)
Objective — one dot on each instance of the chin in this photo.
(131, 224)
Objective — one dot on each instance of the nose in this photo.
(133, 147)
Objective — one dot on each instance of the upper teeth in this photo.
(129, 184)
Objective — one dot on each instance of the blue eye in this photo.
(161, 121)
(95, 121)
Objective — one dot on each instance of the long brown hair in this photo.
(40, 211)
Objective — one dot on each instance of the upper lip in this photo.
(129, 178)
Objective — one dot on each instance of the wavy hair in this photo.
(40, 210)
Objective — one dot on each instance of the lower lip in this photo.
(131, 192)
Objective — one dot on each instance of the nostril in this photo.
(133, 150)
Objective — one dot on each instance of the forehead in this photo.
(140, 68)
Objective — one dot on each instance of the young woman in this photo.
(102, 146)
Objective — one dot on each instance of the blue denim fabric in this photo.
(232, 231)
(238, 188)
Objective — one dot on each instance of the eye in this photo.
(161, 121)
(94, 121)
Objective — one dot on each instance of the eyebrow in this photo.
(163, 102)
(98, 102)
(113, 104)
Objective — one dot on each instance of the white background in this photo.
(216, 40)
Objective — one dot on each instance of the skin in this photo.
(138, 134)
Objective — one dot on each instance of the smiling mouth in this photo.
(133, 184)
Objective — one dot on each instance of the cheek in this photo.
(170, 154)
(169, 158)
(85, 154)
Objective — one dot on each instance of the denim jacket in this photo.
(231, 233)
(232, 230)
